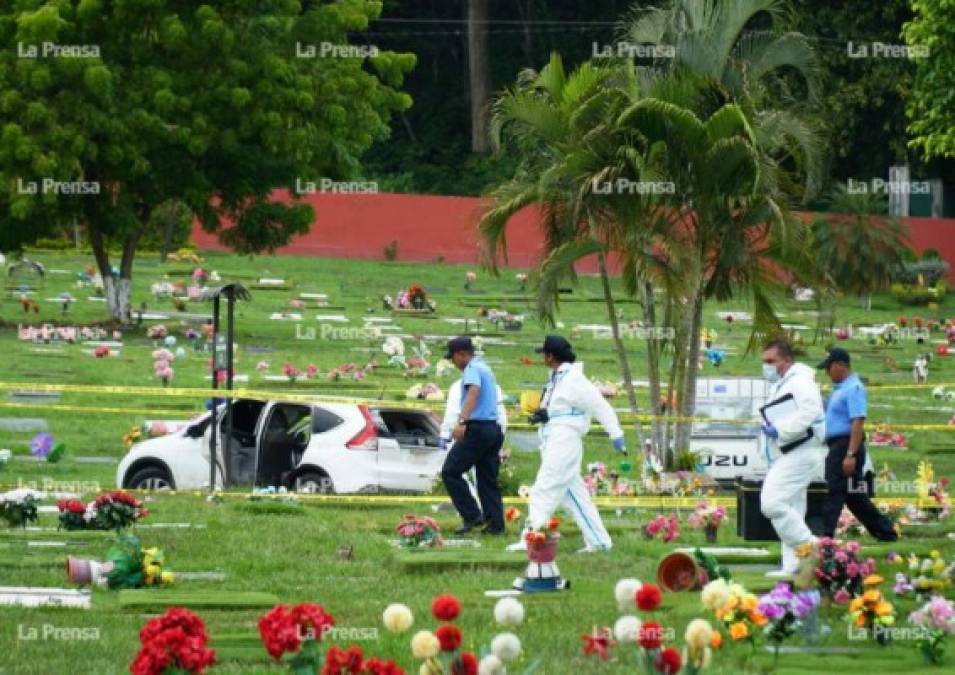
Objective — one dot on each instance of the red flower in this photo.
(466, 664)
(650, 635)
(376, 666)
(449, 636)
(177, 639)
(669, 661)
(312, 620)
(71, 506)
(446, 607)
(598, 643)
(338, 661)
(648, 598)
(279, 632)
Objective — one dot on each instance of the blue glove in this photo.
(620, 445)
(770, 431)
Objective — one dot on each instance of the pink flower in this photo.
(841, 597)
(852, 547)
(841, 557)
(853, 569)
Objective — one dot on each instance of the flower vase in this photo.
(543, 553)
(710, 532)
(81, 571)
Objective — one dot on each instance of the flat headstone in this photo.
(96, 460)
(31, 596)
(239, 377)
(735, 551)
(811, 649)
(45, 544)
(340, 318)
(170, 526)
(258, 349)
(23, 424)
(279, 316)
(152, 316)
(22, 396)
(200, 576)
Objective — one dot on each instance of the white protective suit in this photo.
(571, 399)
(783, 497)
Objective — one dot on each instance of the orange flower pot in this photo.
(679, 572)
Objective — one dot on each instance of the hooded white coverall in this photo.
(570, 399)
(783, 497)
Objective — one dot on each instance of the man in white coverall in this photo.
(798, 455)
(568, 403)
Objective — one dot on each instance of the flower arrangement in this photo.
(469, 279)
(161, 366)
(427, 392)
(521, 278)
(73, 514)
(297, 630)
(542, 543)
(418, 532)
(42, 446)
(708, 518)
(937, 620)
(837, 569)
(132, 436)
(598, 642)
(927, 576)
(135, 567)
(114, 510)
(18, 511)
(156, 332)
(667, 527)
(785, 612)
(735, 608)
(599, 481)
(173, 643)
(414, 297)
(871, 611)
(291, 372)
(699, 645)
(440, 650)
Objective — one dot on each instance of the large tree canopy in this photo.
(931, 108)
(111, 109)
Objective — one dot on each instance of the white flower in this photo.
(425, 645)
(509, 612)
(626, 592)
(491, 665)
(397, 618)
(715, 594)
(506, 647)
(698, 634)
(627, 628)
(524, 491)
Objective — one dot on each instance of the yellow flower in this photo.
(935, 554)
(872, 580)
(871, 595)
(698, 634)
(860, 620)
(758, 618)
(167, 577)
(425, 645)
(884, 609)
(939, 566)
(739, 631)
(732, 602)
(855, 605)
(716, 640)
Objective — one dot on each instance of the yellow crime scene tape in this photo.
(196, 393)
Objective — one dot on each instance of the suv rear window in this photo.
(408, 427)
(324, 420)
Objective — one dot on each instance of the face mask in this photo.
(770, 373)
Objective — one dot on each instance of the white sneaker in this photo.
(594, 549)
(517, 546)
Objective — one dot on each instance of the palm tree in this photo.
(738, 54)
(856, 244)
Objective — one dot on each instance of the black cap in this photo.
(459, 344)
(836, 355)
(554, 344)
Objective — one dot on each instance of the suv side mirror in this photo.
(195, 431)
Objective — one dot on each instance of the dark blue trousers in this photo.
(479, 448)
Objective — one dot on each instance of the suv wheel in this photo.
(313, 482)
(151, 478)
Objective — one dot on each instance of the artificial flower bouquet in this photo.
(298, 631)
(666, 527)
(786, 612)
(599, 481)
(937, 620)
(42, 446)
(114, 510)
(926, 576)
(174, 643)
(835, 567)
(708, 518)
(871, 611)
(542, 544)
(440, 650)
(134, 566)
(735, 608)
(19, 510)
(418, 532)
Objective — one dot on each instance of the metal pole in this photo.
(230, 321)
(213, 426)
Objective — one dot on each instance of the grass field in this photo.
(293, 552)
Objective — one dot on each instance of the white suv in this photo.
(319, 447)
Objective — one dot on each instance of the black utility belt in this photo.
(470, 422)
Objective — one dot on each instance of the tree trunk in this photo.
(173, 213)
(479, 73)
(621, 350)
(118, 290)
(688, 395)
(653, 362)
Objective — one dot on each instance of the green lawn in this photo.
(293, 553)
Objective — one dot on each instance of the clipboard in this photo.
(779, 409)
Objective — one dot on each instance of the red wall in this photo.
(428, 227)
